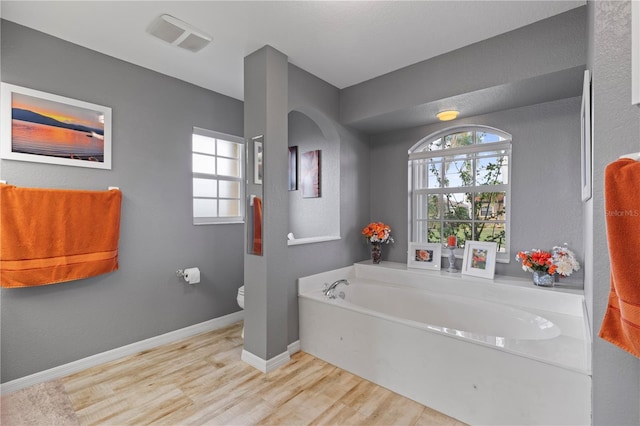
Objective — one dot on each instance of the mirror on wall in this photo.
(255, 201)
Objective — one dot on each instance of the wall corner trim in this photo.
(111, 355)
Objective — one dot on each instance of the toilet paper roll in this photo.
(192, 275)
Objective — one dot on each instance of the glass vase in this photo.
(542, 279)
(376, 253)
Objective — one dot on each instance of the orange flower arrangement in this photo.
(377, 232)
(537, 260)
(560, 260)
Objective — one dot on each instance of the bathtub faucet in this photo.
(329, 290)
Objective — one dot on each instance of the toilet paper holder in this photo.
(183, 273)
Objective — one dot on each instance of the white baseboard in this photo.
(268, 365)
(273, 363)
(133, 348)
(293, 347)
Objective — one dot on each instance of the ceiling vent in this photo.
(178, 33)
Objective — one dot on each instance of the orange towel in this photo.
(257, 226)
(49, 236)
(621, 323)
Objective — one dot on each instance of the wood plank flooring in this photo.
(201, 380)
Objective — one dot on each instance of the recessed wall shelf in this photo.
(311, 240)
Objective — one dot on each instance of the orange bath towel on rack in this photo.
(257, 226)
(621, 323)
(49, 236)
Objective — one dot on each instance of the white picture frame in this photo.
(42, 127)
(479, 259)
(635, 53)
(586, 164)
(424, 256)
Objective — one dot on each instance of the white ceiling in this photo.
(343, 42)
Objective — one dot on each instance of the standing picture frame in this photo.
(42, 127)
(479, 259)
(585, 138)
(424, 256)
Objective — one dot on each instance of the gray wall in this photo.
(616, 373)
(153, 116)
(545, 179)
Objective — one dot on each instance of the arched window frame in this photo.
(434, 225)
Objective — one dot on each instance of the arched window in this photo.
(459, 185)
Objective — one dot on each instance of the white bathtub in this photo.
(483, 351)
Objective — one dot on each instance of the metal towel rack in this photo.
(109, 188)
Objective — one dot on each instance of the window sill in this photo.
(222, 222)
(311, 240)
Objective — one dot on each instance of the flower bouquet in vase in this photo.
(546, 264)
(376, 234)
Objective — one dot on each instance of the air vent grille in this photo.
(178, 33)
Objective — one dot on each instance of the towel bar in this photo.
(109, 188)
(632, 156)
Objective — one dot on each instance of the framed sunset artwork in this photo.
(46, 128)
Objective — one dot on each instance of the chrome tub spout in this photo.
(329, 290)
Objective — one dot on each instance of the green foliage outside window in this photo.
(465, 201)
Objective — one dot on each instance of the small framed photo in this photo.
(479, 259)
(257, 160)
(424, 256)
(46, 128)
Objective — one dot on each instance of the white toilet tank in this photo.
(240, 297)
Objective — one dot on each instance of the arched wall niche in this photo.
(314, 219)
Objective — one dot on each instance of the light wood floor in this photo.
(201, 380)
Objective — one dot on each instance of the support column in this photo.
(265, 113)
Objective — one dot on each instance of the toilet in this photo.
(240, 300)
(240, 297)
